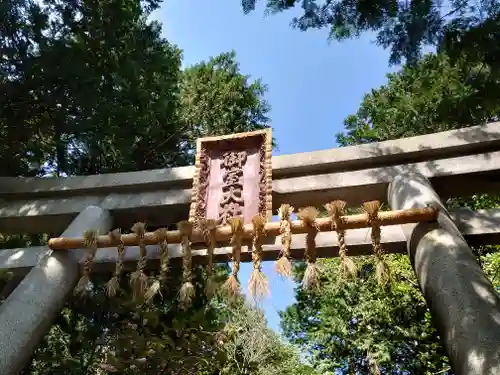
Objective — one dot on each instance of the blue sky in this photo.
(313, 84)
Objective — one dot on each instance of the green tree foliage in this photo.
(355, 327)
(406, 27)
(97, 333)
(251, 347)
(91, 87)
(86, 79)
(217, 99)
(436, 94)
(96, 89)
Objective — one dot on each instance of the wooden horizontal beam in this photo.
(479, 228)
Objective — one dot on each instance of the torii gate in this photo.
(408, 174)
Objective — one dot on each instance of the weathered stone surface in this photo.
(475, 139)
(462, 301)
(455, 176)
(457, 162)
(27, 313)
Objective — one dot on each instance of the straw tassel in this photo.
(311, 276)
(155, 287)
(283, 264)
(258, 285)
(232, 285)
(113, 284)
(161, 237)
(336, 210)
(186, 294)
(208, 228)
(373, 365)
(138, 279)
(382, 272)
(89, 242)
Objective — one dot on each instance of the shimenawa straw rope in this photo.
(336, 210)
(283, 264)
(186, 294)
(311, 274)
(113, 284)
(155, 287)
(161, 235)
(223, 232)
(138, 279)
(257, 285)
(90, 242)
(232, 285)
(382, 271)
(209, 226)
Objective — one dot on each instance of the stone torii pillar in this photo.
(463, 303)
(28, 312)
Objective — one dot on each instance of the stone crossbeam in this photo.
(479, 227)
(457, 162)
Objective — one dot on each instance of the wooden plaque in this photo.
(233, 177)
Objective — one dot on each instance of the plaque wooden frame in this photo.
(205, 149)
